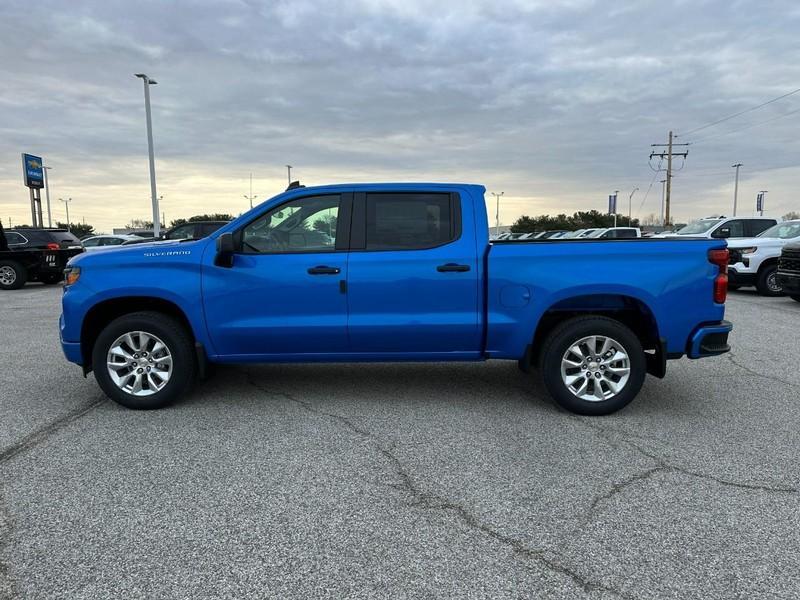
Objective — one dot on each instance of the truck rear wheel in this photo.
(593, 365)
(12, 275)
(767, 284)
(144, 360)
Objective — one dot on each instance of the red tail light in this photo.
(720, 258)
(53, 246)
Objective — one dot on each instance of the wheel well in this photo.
(632, 312)
(767, 263)
(103, 313)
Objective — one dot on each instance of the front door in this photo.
(413, 276)
(285, 293)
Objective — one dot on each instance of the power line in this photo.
(741, 112)
(652, 181)
(710, 137)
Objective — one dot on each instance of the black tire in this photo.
(174, 336)
(50, 278)
(12, 275)
(796, 297)
(567, 335)
(767, 284)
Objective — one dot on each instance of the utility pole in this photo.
(668, 155)
(147, 83)
(289, 173)
(250, 198)
(630, 201)
(616, 193)
(47, 194)
(763, 200)
(736, 187)
(497, 213)
(663, 195)
(66, 204)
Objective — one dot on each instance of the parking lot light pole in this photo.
(47, 194)
(497, 214)
(736, 187)
(154, 198)
(66, 204)
(630, 201)
(289, 174)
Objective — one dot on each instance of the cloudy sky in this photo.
(553, 103)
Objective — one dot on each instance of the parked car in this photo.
(193, 230)
(97, 242)
(616, 233)
(754, 261)
(29, 238)
(407, 274)
(724, 227)
(34, 255)
(788, 274)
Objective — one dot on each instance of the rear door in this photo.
(413, 275)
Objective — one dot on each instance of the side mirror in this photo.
(225, 250)
(725, 232)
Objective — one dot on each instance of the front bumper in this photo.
(736, 277)
(709, 340)
(789, 283)
(72, 350)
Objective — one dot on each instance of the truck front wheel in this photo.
(12, 275)
(144, 360)
(593, 365)
(767, 284)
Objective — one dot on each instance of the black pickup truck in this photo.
(35, 255)
(788, 274)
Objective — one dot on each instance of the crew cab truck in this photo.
(393, 272)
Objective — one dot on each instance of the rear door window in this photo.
(756, 226)
(409, 221)
(15, 239)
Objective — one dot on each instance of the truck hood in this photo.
(134, 252)
(758, 242)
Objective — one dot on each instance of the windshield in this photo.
(784, 231)
(698, 227)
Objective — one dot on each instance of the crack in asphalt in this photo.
(7, 590)
(755, 373)
(31, 440)
(429, 500)
(662, 465)
(26, 443)
(37, 436)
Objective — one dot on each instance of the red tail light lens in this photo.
(720, 258)
(53, 246)
(721, 288)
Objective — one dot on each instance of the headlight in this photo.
(71, 275)
(749, 250)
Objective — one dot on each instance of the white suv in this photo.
(754, 261)
(724, 227)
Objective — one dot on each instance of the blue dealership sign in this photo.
(612, 204)
(32, 170)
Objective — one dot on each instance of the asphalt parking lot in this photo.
(401, 481)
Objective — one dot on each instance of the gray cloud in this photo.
(554, 103)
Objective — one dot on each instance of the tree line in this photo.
(579, 220)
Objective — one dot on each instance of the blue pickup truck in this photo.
(393, 272)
